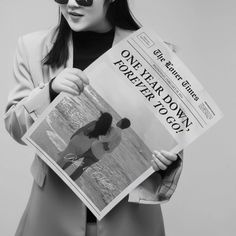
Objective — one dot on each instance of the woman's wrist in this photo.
(52, 93)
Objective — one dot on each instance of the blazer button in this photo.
(41, 85)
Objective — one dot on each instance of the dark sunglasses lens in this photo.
(86, 3)
(61, 1)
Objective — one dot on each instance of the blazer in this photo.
(30, 96)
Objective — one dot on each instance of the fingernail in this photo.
(158, 153)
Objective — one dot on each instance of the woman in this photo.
(82, 139)
(47, 63)
(106, 143)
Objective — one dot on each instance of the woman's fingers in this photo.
(79, 78)
(154, 165)
(157, 164)
(72, 78)
(78, 84)
(83, 77)
(79, 74)
(169, 155)
(71, 84)
(69, 90)
(161, 160)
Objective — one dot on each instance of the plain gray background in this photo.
(205, 34)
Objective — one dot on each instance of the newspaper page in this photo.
(100, 168)
(142, 83)
(177, 107)
(146, 66)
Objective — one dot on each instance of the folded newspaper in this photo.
(141, 98)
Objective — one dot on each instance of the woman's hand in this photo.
(70, 80)
(161, 160)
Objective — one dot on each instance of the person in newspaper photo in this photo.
(105, 144)
(81, 141)
(50, 62)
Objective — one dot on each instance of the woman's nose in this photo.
(72, 3)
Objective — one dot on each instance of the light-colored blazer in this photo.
(30, 97)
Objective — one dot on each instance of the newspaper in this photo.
(141, 80)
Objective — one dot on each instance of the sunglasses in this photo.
(85, 3)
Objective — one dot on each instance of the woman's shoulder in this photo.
(121, 34)
(39, 38)
(124, 32)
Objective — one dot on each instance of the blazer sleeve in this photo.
(160, 186)
(27, 100)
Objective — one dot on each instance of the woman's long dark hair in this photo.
(118, 14)
(102, 126)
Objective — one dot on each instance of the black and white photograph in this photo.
(117, 118)
(84, 139)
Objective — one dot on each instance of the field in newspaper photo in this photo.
(97, 149)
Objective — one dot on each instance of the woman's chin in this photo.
(78, 27)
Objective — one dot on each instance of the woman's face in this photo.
(82, 18)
